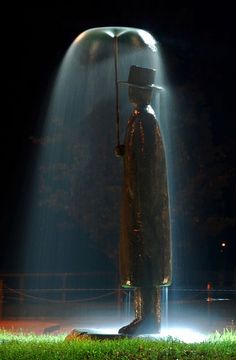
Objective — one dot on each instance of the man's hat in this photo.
(141, 77)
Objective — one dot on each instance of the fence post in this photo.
(21, 286)
(1, 299)
(209, 301)
(209, 288)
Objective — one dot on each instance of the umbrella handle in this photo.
(117, 91)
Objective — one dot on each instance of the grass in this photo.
(220, 346)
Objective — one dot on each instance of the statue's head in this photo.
(141, 84)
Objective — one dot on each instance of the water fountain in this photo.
(82, 177)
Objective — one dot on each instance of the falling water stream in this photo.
(165, 308)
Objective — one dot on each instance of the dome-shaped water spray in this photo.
(79, 191)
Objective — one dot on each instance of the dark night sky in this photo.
(198, 41)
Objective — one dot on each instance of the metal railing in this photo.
(65, 294)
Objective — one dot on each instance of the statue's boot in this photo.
(147, 303)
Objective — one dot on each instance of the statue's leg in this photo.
(147, 303)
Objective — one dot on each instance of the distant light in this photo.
(223, 244)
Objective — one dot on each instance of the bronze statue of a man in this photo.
(145, 251)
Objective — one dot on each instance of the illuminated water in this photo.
(165, 308)
(74, 211)
(73, 222)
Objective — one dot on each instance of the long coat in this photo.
(145, 251)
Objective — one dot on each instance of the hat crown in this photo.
(141, 76)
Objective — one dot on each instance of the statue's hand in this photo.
(119, 150)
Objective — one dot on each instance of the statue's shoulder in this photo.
(151, 117)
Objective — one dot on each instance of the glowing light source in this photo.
(185, 335)
(104, 330)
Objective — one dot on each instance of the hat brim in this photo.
(146, 87)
